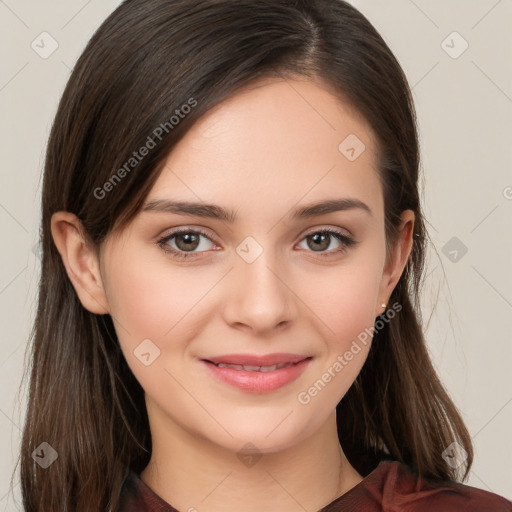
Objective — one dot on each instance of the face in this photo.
(261, 280)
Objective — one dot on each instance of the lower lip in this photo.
(258, 382)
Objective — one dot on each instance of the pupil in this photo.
(319, 238)
(189, 240)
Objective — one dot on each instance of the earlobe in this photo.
(398, 260)
(80, 260)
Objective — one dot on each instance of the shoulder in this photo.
(130, 499)
(136, 496)
(394, 486)
(444, 496)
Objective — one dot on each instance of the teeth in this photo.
(248, 368)
(235, 366)
(268, 368)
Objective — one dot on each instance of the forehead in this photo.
(270, 145)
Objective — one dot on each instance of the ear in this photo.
(80, 260)
(397, 260)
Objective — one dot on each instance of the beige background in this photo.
(464, 104)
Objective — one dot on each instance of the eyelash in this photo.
(346, 240)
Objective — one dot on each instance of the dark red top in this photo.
(390, 487)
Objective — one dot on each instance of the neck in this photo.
(192, 473)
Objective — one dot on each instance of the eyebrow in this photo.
(218, 212)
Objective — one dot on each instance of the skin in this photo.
(262, 153)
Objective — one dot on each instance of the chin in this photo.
(262, 436)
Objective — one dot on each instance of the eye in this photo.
(184, 242)
(321, 240)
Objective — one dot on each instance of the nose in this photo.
(260, 299)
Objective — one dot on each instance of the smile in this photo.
(254, 373)
(254, 368)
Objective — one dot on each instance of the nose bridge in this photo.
(260, 298)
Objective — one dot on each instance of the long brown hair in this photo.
(147, 60)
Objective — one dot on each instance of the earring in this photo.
(383, 305)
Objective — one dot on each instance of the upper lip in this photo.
(256, 360)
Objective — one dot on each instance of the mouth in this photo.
(257, 374)
(248, 368)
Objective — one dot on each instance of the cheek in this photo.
(343, 300)
(343, 303)
(153, 298)
(165, 304)
(156, 302)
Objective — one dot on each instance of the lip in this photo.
(256, 381)
(256, 360)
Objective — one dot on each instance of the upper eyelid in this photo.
(202, 232)
(179, 231)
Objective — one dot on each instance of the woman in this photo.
(233, 247)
